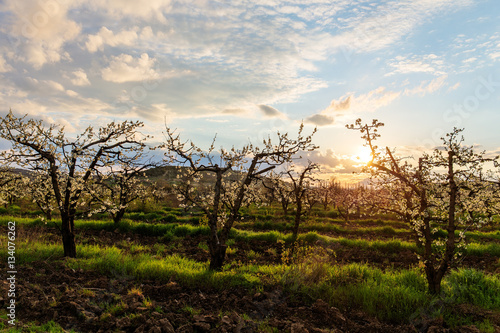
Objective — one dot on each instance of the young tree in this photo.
(348, 199)
(159, 191)
(120, 183)
(69, 164)
(446, 187)
(42, 194)
(12, 186)
(301, 181)
(325, 192)
(228, 193)
(312, 197)
(282, 190)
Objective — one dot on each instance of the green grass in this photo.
(471, 286)
(171, 231)
(4, 219)
(148, 229)
(329, 225)
(50, 326)
(480, 249)
(389, 295)
(113, 261)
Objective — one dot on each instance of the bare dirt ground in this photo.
(81, 300)
(87, 301)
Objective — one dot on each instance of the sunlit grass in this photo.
(392, 295)
(480, 249)
(331, 225)
(33, 327)
(168, 232)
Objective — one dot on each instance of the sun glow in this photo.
(364, 155)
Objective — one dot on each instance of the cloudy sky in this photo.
(244, 69)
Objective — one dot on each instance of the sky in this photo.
(246, 69)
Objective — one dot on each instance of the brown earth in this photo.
(88, 301)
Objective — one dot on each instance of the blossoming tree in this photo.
(69, 164)
(11, 185)
(228, 192)
(281, 190)
(447, 188)
(301, 186)
(116, 185)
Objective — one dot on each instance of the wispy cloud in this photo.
(369, 101)
(352, 103)
(387, 23)
(429, 63)
(240, 59)
(427, 87)
(119, 9)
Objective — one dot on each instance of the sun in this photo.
(364, 155)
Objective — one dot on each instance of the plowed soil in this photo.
(87, 301)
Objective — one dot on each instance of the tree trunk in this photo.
(285, 208)
(298, 213)
(118, 216)
(433, 281)
(435, 276)
(217, 256)
(68, 237)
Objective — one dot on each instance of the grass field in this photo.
(362, 269)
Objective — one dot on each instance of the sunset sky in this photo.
(245, 69)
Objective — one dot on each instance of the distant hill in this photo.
(22, 172)
(169, 173)
(165, 172)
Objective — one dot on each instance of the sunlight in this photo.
(363, 155)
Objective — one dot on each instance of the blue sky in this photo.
(245, 69)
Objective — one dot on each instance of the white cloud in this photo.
(495, 55)
(430, 63)
(52, 85)
(160, 112)
(44, 28)
(146, 10)
(386, 24)
(79, 78)
(230, 58)
(72, 93)
(370, 101)
(352, 103)
(125, 68)
(475, 50)
(234, 111)
(107, 37)
(27, 106)
(332, 163)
